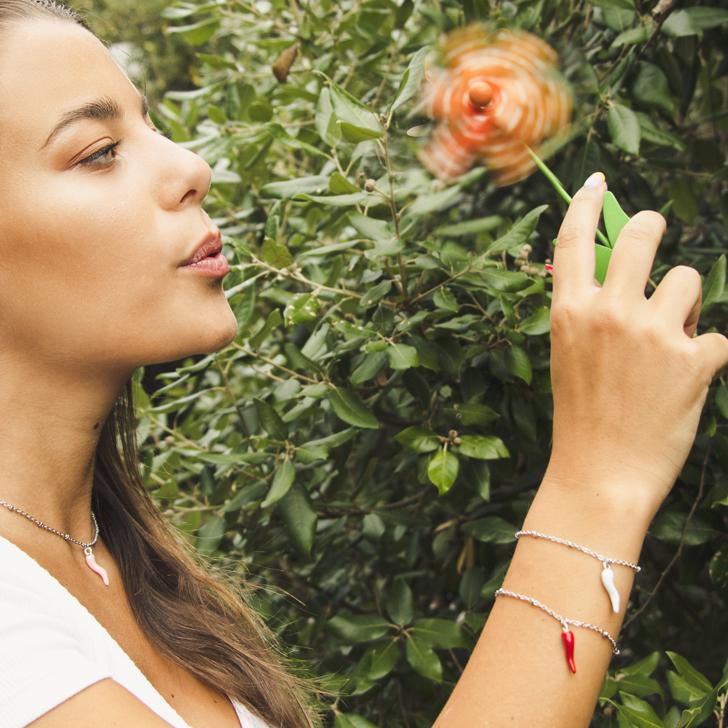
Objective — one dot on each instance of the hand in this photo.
(629, 376)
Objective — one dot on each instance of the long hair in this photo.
(193, 612)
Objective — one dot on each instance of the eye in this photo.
(96, 156)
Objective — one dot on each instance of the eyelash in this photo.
(90, 160)
(101, 153)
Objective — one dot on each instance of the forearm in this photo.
(517, 674)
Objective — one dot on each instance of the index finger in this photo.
(574, 255)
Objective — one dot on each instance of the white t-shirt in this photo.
(51, 647)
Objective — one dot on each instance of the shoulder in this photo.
(41, 661)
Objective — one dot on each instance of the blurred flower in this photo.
(499, 90)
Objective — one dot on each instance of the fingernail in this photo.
(594, 181)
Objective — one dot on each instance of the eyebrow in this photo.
(102, 109)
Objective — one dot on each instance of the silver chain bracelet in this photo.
(607, 575)
(567, 635)
(583, 549)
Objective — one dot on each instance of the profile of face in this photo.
(91, 238)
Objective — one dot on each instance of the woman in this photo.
(124, 626)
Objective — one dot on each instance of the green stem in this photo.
(560, 188)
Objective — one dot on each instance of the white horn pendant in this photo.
(96, 568)
(608, 582)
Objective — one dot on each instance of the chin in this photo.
(219, 336)
(197, 336)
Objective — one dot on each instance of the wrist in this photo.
(616, 493)
(593, 514)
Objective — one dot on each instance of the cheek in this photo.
(79, 252)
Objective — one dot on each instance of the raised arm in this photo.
(629, 381)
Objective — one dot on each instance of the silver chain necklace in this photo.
(88, 551)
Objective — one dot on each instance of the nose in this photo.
(186, 177)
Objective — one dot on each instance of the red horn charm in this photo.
(568, 636)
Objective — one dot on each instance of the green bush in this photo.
(367, 446)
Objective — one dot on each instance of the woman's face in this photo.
(89, 252)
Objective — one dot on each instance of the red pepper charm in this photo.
(568, 636)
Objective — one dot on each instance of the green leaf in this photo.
(355, 628)
(352, 720)
(697, 681)
(439, 633)
(418, 439)
(685, 204)
(276, 254)
(668, 527)
(443, 470)
(399, 603)
(682, 691)
(196, 33)
(349, 408)
(369, 367)
(472, 413)
(714, 284)
(651, 88)
(537, 323)
(624, 128)
(210, 534)
(435, 201)
(646, 666)
(692, 21)
(380, 659)
(518, 363)
(623, 4)
(270, 420)
(355, 118)
(445, 300)
(375, 293)
(411, 79)
(721, 399)
(325, 120)
(469, 227)
(632, 36)
(518, 234)
(282, 482)
(299, 518)
(356, 133)
(402, 356)
(639, 712)
(356, 198)
(639, 685)
(287, 188)
(340, 185)
(615, 218)
(491, 529)
(423, 659)
(483, 447)
(654, 134)
(303, 307)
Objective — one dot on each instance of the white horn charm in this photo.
(608, 582)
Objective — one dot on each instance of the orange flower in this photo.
(499, 91)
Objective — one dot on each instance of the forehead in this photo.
(48, 67)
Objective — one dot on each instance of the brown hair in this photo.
(193, 612)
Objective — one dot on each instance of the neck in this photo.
(48, 440)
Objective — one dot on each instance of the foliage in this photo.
(372, 438)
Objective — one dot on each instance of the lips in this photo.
(211, 245)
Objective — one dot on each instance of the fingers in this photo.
(713, 349)
(678, 299)
(574, 256)
(633, 255)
